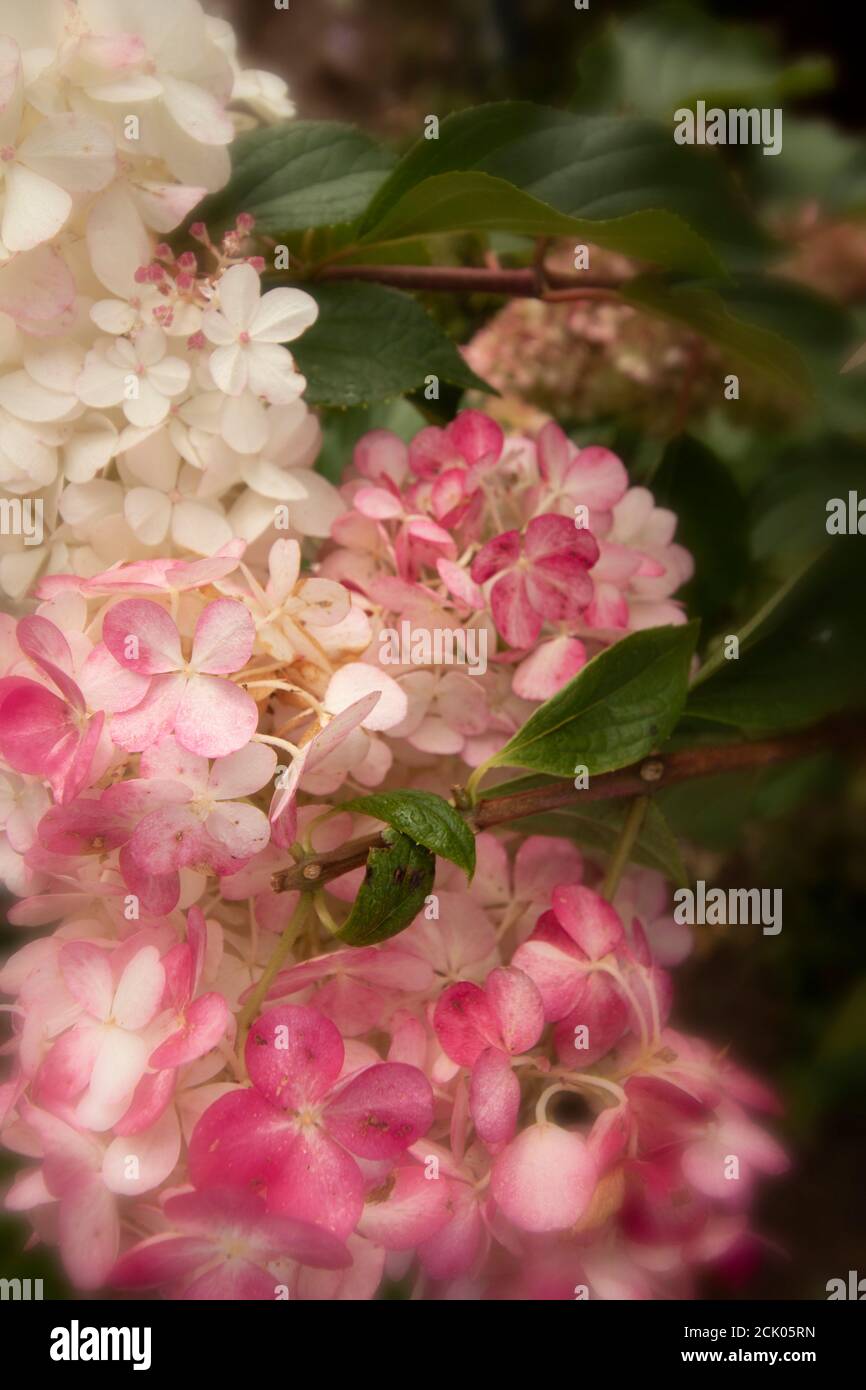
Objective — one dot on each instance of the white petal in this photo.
(272, 373)
(198, 113)
(73, 151)
(148, 513)
(117, 241)
(55, 363)
(217, 329)
(164, 205)
(90, 447)
(113, 315)
(170, 376)
(228, 366)
(238, 296)
(101, 383)
(34, 211)
(282, 315)
(315, 513)
(26, 399)
(148, 407)
(270, 480)
(245, 423)
(198, 528)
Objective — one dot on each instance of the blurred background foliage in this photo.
(749, 480)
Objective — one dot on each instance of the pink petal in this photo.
(496, 555)
(455, 1249)
(460, 584)
(599, 1008)
(37, 734)
(142, 637)
(205, 1023)
(214, 717)
(545, 1179)
(381, 1112)
(86, 971)
(559, 588)
(549, 668)
(156, 1151)
(294, 1055)
(137, 728)
(49, 650)
(168, 839)
(68, 1065)
(465, 1023)
(597, 478)
(117, 1071)
(244, 1141)
(411, 1210)
(223, 638)
(161, 1260)
(233, 1280)
(517, 1007)
(139, 991)
(476, 436)
(151, 1097)
(89, 1233)
(380, 454)
(590, 921)
(494, 1098)
(543, 861)
(107, 687)
(552, 961)
(513, 613)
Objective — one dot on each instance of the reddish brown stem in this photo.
(461, 279)
(640, 779)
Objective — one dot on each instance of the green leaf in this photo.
(598, 826)
(703, 308)
(370, 343)
(711, 522)
(398, 880)
(623, 183)
(808, 654)
(478, 202)
(298, 175)
(654, 63)
(427, 819)
(797, 340)
(620, 707)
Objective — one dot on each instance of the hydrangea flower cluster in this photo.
(148, 406)
(212, 1096)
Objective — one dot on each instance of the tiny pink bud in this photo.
(198, 230)
(257, 263)
(187, 261)
(195, 341)
(245, 222)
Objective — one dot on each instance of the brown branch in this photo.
(461, 279)
(640, 779)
